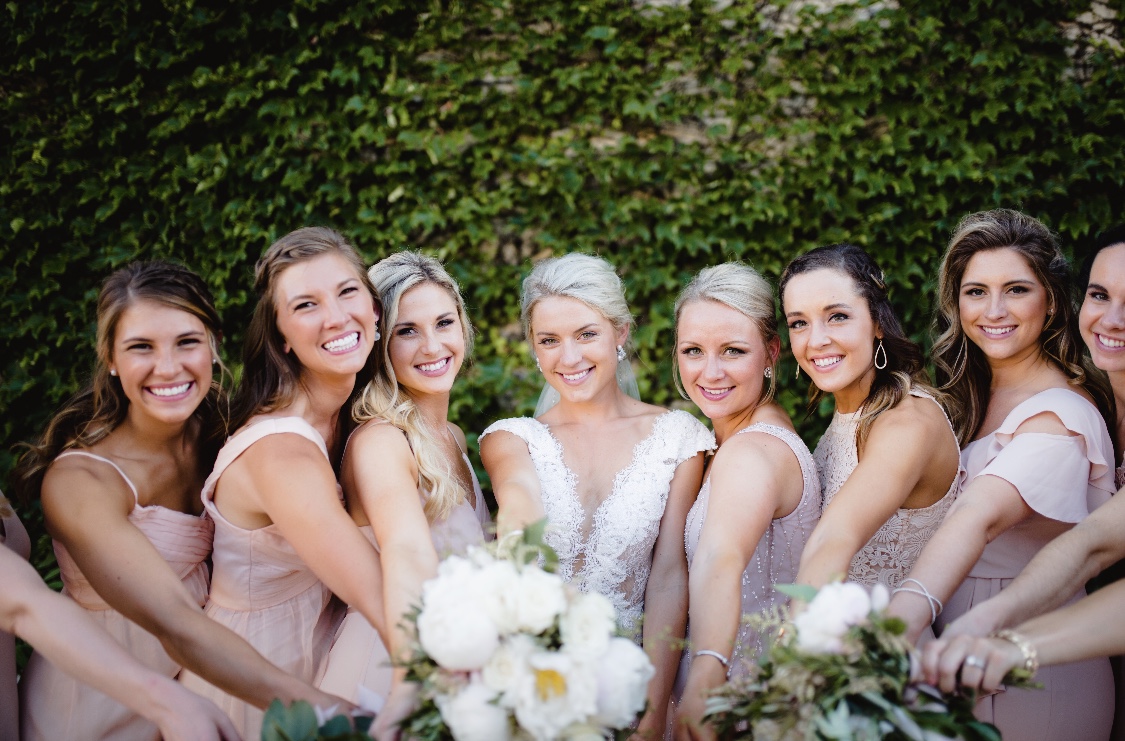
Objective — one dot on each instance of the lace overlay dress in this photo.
(616, 558)
(894, 548)
(777, 556)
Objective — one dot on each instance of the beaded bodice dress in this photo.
(894, 548)
(615, 558)
(777, 555)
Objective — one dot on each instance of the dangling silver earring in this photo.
(620, 353)
(880, 349)
(112, 372)
(537, 366)
(769, 373)
(798, 373)
(377, 336)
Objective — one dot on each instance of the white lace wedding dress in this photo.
(616, 558)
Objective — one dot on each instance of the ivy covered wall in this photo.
(665, 136)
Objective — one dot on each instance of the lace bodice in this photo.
(894, 548)
(777, 555)
(616, 557)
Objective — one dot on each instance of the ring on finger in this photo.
(974, 661)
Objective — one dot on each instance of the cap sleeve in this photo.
(688, 436)
(1062, 477)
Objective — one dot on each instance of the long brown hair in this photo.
(962, 369)
(904, 369)
(270, 376)
(384, 398)
(100, 407)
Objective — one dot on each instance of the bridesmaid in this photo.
(888, 461)
(615, 477)
(67, 635)
(1102, 322)
(741, 538)
(1036, 454)
(119, 470)
(283, 541)
(406, 472)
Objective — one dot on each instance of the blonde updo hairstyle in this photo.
(383, 397)
(587, 278)
(740, 287)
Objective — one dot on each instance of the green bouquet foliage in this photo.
(299, 722)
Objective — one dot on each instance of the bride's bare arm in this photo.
(665, 616)
(515, 484)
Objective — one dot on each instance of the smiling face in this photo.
(1003, 306)
(427, 342)
(162, 357)
(832, 334)
(576, 347)
(325, 315)
(1102, 318)
(722, 359)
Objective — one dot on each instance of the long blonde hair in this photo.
(5, 507)
(383, 397)
(962, 369)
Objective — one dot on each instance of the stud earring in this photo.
(768, 373)
(880, 349)
(112, 372)
(214, 361)
(620, 353)
(537, 366)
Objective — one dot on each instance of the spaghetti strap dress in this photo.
(358, 658)
(53, 705)
(261, 589)
(14, 537)
(1062, 478)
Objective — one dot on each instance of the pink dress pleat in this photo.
(261, 589)
(55, 706)
(1062, 478)
(14, 537)
(358, 657)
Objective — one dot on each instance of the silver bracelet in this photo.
(935, 604)
(715, 654)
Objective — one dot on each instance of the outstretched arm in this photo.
(751, 482)
(666, 596)
(63, 633)
(88, 514)
(1089, 628)
(515, 483)
(1060, 569)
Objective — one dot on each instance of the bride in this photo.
(614, 477)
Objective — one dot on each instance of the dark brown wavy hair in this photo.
(961, 367)
(905, 361)
(101, 406)
(270, 376)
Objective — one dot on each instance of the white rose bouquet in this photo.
(505, 650)
(841, 669)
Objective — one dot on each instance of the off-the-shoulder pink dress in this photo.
(358, 657)
(776, 558)
(1062, 478)
(53, 705)
(615, 557)
(14, 537)
(261, 589)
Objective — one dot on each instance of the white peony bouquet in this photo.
(841, 669)
(506, 650)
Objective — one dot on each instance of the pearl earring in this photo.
(214, 361)
(377, 336)
(620, 353)
(112, 372)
